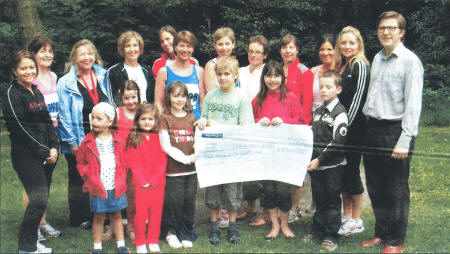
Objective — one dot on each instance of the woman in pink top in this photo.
(46, 83)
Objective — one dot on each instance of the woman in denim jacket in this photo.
(79, 91)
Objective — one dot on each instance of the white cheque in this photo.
(228, 154)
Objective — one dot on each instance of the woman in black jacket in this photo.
(130, 46)
(33, 144)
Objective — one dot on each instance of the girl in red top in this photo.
(130, 97)
(100, 163)
(275, 105)
(147, 162)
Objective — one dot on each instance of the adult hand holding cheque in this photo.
(228, 154)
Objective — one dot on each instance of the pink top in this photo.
(124, 124)
(288, 110)
(147, 162)
(50, 96)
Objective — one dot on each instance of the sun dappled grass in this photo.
(428, 229)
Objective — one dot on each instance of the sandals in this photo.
(262, 220)
(328, 245)
(245, 213)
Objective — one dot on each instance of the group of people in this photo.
(127, 134)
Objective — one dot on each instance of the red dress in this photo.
(148, 163)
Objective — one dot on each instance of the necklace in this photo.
(92, 92)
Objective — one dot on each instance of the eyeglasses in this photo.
(390, 29)
(251, 52)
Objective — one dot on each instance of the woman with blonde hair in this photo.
(224, 42)
(79, 90)
(353, 67)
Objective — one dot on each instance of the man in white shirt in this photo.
(393, 107)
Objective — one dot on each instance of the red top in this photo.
(88, 165)
(300, 81)
(147, 161)
(288, 110)
(124, 124)
(161, 62)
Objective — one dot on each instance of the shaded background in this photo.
(102, 21)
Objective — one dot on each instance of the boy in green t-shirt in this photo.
(225, 105)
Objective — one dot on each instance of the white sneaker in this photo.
(350, 227)
(41, 237)
(187, 244)
(292, 216)
(173, 242)
(344, 219)
(42, 248)
(223, 218)
(48, 230)
(154, 247)
(141, 249)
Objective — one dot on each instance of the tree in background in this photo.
(102, 21)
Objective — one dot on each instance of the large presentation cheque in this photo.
(228, 154)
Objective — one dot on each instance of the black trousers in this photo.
(276, 194)
(387, 181)
(356, 139)
(251, 190)
(36, 179)
(179, 207)
(79, 206)
(326, 186)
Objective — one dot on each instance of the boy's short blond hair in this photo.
(227, 62)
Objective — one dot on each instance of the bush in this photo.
(436, 107)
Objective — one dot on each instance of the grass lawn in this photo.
(428, 229)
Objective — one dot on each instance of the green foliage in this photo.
(436, 107)
(67, 21)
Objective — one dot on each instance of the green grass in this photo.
(428, 229)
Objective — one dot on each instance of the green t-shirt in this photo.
(227, 108)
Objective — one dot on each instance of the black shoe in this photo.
(96, 251)
(214, 237)
(233, 236)
(86, 225)
(269, 238)
(123, 250)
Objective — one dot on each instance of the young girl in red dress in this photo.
(147, 162)
(130, 98)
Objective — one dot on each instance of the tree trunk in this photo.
(29, 22)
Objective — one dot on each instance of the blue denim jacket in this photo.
(70, 105)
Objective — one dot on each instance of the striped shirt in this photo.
(395, 91)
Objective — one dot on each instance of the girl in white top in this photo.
(224, 42)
